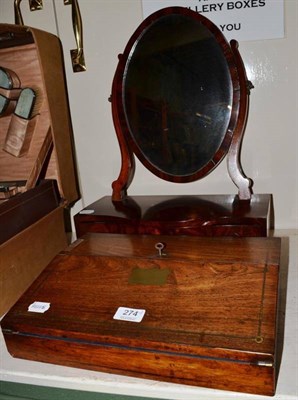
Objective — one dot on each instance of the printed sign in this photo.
(237, 19)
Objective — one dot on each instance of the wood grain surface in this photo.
(212, 323)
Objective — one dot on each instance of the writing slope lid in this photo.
(218, 298)
(36, 57)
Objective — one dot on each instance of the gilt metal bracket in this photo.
(18, 18)
(77, 55)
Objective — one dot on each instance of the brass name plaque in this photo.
(150, 276)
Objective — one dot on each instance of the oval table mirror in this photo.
(180, 104)
(180, 100)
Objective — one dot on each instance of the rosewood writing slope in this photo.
(207, 309)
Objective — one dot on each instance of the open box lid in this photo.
(36, 57)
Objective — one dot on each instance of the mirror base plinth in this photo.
(204, 215)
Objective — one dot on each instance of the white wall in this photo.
(269, 154)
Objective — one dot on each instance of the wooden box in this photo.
(191, 310)
(37, 169)
(203, 215)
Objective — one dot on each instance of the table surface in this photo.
(35, 373)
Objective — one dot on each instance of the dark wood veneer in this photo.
(214, 215)
(212, 323)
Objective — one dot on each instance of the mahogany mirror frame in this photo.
(230, 146)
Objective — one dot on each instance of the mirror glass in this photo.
(177, 95)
